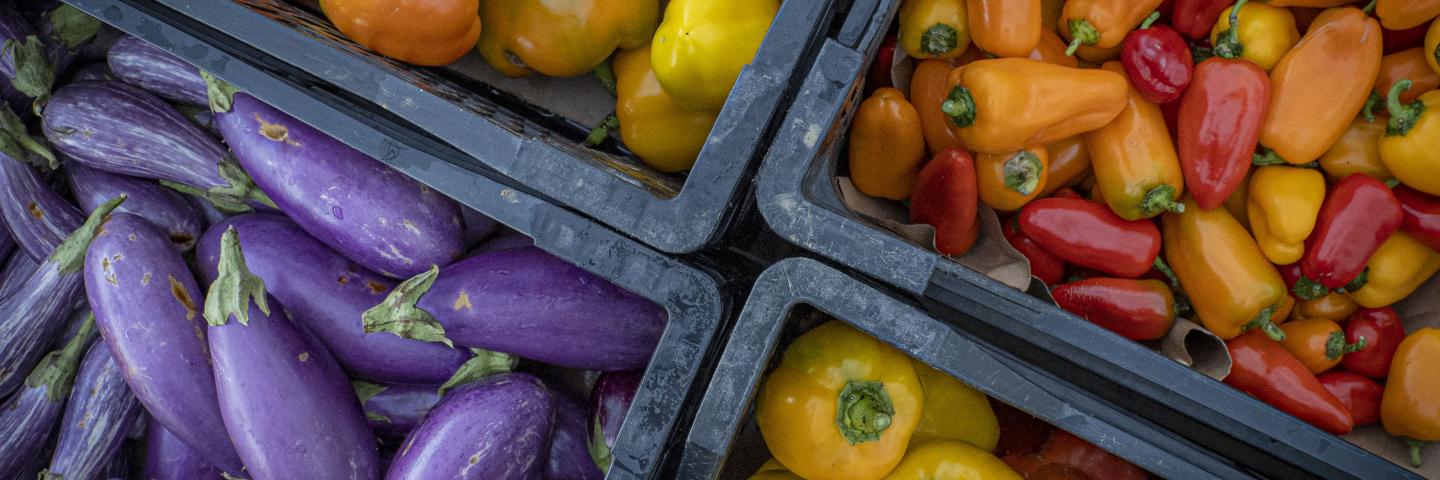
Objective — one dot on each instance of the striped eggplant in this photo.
(503, 241)
(291, 412)
(528, 303)
(119, 466)
(395, 409)
(609, 403)
(37, 218)
(100, 412)
(148, 307)
(569, 443)
(327, 293)
(15, 28)
(33, 314)
(477, 225)
(7, 244)
(27, 419)
(141, 64)
(385, 221)
(119, 128)
(17, 269)
(164, 207)
(169, 458)
(498, 427)
(200, 116)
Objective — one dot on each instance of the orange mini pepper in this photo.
(562, 39)
(1102, 23)
(1051, 49)
(1006, 28)
(1319, 86)
(1406, 64)
(1069, 164)
(1318, 344)
(887, 148)
(1010, 180)
(1006, 104)
(1403, 14)
(928, 88)
(1232, 285)
(1410, 407)
(422, 32)
(1432, 45)
(1134, 159)
(1334, 306)
(1357, 151)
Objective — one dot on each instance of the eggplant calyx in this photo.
(46, 475)
(399, 314)
(56, 372)
(33, 73)
(599, 450)
(485, 363)
(73, 27)
(69, 257)
(221, 93)
(234, 286)
(17, 143)
(366, 390)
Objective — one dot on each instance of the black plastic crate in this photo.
(723, 442)
(515, 137)
(696, 293)
(797, 195)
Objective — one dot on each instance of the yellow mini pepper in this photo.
(1233, 286)
(1397, 268)
(1267, 32)
(954, 411)
(702, 45)
(1006, 104)
(934, 28)
(1409, 146)
(1410, 406)
(1134, 160)
(951, 460)
(663, 133)
(887, 146)
(1008, 181)
(562, 39)
(1357, 151)
(1432, 45)
(1283, 205)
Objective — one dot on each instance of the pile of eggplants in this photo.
(208, 287)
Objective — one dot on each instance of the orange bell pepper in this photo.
(1006, 104)
(562, 39)
(1051, 49)
(887, 148)
(422, 32)
(1410, 407)
(1006, 28)
(1319, 86)
(1232, 285)
(1404, 14)
(1406, 64)
(1134, 159)
(928, 88)
(1334, 306)
(1010, 180)
(1069, 164)
(1102, 23)
(1357, 151)
(1318, 344)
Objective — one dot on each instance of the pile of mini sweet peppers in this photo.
(1268, 168)
(842, 405)
(670, 76)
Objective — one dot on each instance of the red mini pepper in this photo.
(1220, 118)
(1020, 433)
(1422, 215)
(1157, 61)
(1264, 369)
(1382, 331)
(1067, 449)
(1306, 290)
(1089, 234)
(1136, 309)
(1358, 215)
(1359, 394)
(1195, 18)
(947, 196)
(879, 75)
(1043, 265)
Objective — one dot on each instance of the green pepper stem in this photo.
(1264, 323)
(1358, 282)
(1228, 45)
(1402, 117)
(1370, 7)
(602, 131)
(1267, 157)
(1392, 183)
(1368, 111)
(606, 75)
(1150, 20)
(1082, 32)
(1160, 199)
(960, 107)
(1023, 172)
(939, 39)
(1307, 289)
(1335, 346)
(864, 410)
(1169, 274)
(1415, 446)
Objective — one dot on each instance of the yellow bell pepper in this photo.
(1233, 286)
(663, 133)
(1134, 159)
(1357, 151)
(1334, 306)
(1283, 205)
(773, 470)
(841, 405)
(1408, 148)
(951, 460)
(934, 28)
(1007, 104)
(562, 39)
(701, 46)
(954, 411)
(1008, 181)
(1266, 31)
(1397, 268)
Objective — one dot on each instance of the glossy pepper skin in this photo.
(1157, 61)
(1319, 85)
(1359, 394)
(1410, 407)
(1282, 206)
(1358, 215)
(562, 39)
(1263, 369)
(701, 46)
(1069, 164)
(1406, 65)
(1266, 31)
(1403, 14)
(1102, 23)
(1422, 215)
(1383, 332)
(887, 146)
(1357, 151)
(1229, 281)
(1043, 265)
(427, 32)
(1010, 180)
(927, 92)
(934, 28)
(840, 405)
(1432, 45)
(1088, 234)
(1407, 148)
(1334, 306)
(1006, 28)
(947, 197)
(950, 459)
(1006, 104)
(1136, 309)
(1318, 344)
(1220, 118)
(1134, 160)
(954, 411)
(1398, 267)
(1195, 18)
(1064, 448)
(664, 134)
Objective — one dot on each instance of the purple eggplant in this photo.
(27, 419)
(17, 269)
(100, 412)
(118, 468)
(164, 207)
(7, 244)
(291, 412)
(148, 306)
(169, 458)
(15, 28)
(527, 303)
(498, 427)
(477, 225)
(119, 128)
(504, 241)
(33, 314)
(200, 116)
(609, 402)
(385, 221)
(569, 443)
(141, 64)
(37, 218)
(394, 410)
(95, 72)
(327, 293)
